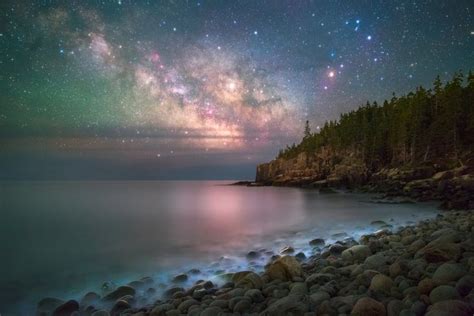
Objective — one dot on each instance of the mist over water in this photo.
(63, 239)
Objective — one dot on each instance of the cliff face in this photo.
(334, 167)
(328, 168)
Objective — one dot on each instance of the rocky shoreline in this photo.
(427, 269)
(453, 187)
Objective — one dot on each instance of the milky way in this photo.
(178, 89)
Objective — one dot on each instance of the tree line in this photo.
(426, 125)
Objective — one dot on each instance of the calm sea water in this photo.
(63, 239)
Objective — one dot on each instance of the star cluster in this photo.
(169, 85)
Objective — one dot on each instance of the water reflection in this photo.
(65, 237)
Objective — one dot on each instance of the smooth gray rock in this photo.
(443, 293)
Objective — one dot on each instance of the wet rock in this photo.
(285, 269)
(356, 253)
(150, 291)
(465, 285)
(381, 283)
(180, 278)
(194, 271)
(248, 280)
(367, 306)
(317, 242)
(147, 280)
(89, 299)
(198, 294)
(252, 255)
(336, 249)
(300, 256)
(119, 292)
(170, 292)
(66, 309)
(378, 223)
(184, 306)
(48, 304)
(108, 286)
(448, 272)
(339, 235)
(287, 250)
(138, 285)
(119, 307)
(443, 293)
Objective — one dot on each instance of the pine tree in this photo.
(307, 130)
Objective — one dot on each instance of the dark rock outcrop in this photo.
(346, 169)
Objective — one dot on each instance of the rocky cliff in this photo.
(346, 169)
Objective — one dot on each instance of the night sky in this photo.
(203, 89)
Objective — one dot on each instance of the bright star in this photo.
(331, 74)
(369, 37)
(255, 32)
(231, 86)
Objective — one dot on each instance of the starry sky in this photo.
(203, 89)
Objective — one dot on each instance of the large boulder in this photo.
(121, 291)
(367, 306)
(248, 280)
(378, 262)
(317, 242)
(381, 283)
(448, 272)
(465, 285)
(425, 286)
(66, 309)
(284, 268)
(48, 304)
(440, 252)
(443, 293)
(356, 253)
(450, 308)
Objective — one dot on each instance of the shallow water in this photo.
(64, 238)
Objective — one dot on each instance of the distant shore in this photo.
(424, 268)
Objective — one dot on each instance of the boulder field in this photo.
(424, 269)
